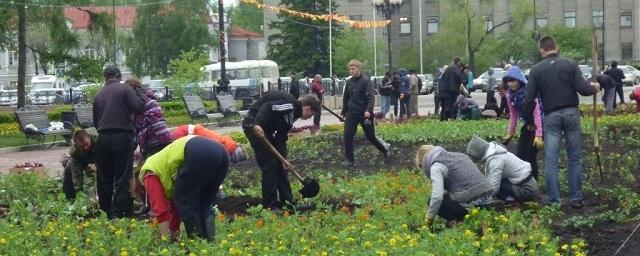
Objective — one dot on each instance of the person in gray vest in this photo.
(508, 175)
(456, 183)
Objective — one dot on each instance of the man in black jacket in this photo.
(357, 108)
(113, 111)
(449, 89)
(555, 80)
(617, 75)
(609, 86)
(294, 87)
(273, 116)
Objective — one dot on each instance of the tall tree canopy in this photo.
(247, 16)
(302, 44)
(162, 32)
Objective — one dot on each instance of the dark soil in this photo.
(606, 238)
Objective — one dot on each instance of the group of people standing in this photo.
(400, 89)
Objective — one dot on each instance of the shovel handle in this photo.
(275, 152)
(333, 113)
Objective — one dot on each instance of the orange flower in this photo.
(260, 223)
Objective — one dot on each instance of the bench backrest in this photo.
(192, 102)
(226, 103)
(30, 115)
(84, 115)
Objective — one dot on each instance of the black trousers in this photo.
(436, 101)
(67, 183)
(148, 151)
(316, 119)
(527, 151)
(350, 128)
(114, 163)
(620, 93)
(405, 105)
(447, 107)
(450, 210)
(395, 97)
(205, 166)
(274, 177)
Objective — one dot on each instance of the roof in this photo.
(125, 15)
(244, 33)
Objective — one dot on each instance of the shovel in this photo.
(310, 186)
(594, 78)
(334, 113)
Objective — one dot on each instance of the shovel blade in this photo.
(310, 188)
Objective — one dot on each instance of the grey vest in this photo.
(464, 182)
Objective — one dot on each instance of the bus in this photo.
(246, 76)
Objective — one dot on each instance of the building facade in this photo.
(619, 18)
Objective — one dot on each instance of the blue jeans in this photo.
(385, 104)
(564, 122)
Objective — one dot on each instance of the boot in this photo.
(194, 228)
(210, 228)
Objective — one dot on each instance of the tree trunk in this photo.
(35, 62)
(22, 53)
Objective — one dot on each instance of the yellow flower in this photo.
(520, 245)
(3, 241)
(165, 251)
(476, 243)
(367, 244)
(124, 253)
(581, 244)
(557, 254)
(468, 233)
(475, 211)
(324, 254)
(381, 253)
(192, 254)
(574, 247)
(579, 254)
(564, 247)
(393, 242)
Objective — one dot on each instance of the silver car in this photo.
(632, 75)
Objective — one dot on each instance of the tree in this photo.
(346, 50)
(247, 16)
(303, 43)
(187, 70)
(162, 32)
(574, 43)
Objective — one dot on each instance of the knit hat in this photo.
(238, 155)
(477, 147)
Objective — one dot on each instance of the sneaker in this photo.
(387, 153)
(577, 204)
(347, 163)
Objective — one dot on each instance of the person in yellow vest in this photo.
(181, 182)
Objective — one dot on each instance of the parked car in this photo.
(632, 75)
(482, 80)
(8, 95)
(427, 83)
(586, 71)
(47, 89)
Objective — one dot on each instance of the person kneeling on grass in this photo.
(81, 162)
(454, 172)
(509, 176)
(181, 182)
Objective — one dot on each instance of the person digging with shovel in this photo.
(181, 182)
(272, 116)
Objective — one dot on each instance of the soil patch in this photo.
(605, 238)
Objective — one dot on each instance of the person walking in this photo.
(273, 116)
(530, 141)
(181, 182)
(405, 94)
(556, 81)
(113, 110)
(395, 93)
(385, 94)
(415, 90)
(510, 176)
(357, 109)
(151, 127)
(318, 91)
(456, 183)
(449, 89)
(294, 87)
(617, 75)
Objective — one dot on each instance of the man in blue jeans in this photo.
(556, 81)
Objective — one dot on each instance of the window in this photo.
(570, 19)
(488, 22)
(627, 51)
(598, 18)
(90, 53)
(405, 26)
(432, 25)
(355, 17)
(542, 22)
(13, 58)
(625, 19)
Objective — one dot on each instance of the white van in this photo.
(47, 89)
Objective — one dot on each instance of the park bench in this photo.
(196, 110)
(84, 115)
(227, 106)
(35, 124)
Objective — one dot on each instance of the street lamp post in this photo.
(388, 8)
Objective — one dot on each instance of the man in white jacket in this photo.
(507, 174)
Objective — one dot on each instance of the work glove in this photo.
(507, 138)
(538, 142)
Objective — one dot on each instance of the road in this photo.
(51, 157)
